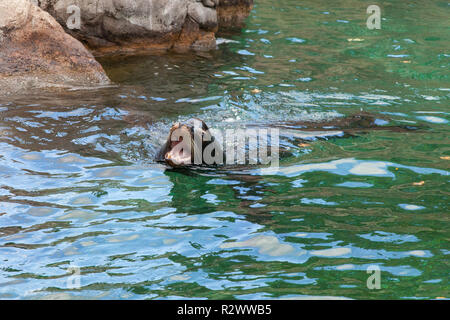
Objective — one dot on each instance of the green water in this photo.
(79, 187)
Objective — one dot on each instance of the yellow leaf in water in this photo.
(406, 61)
(256, 91)
(355, 40)
(421, 183)
(445, 158)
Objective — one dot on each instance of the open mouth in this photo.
(178, 155)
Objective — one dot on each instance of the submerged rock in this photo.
(123, 25)
(35, 52)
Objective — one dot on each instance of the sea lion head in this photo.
(185, 143)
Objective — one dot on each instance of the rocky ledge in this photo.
(124, 25)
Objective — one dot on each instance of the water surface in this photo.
(79, 186)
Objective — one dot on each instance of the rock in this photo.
(35, 52)
(204, 16)
(232, 13)
(124, 25)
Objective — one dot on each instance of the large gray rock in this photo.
(117, 25)
(36, 52)
(112, 25)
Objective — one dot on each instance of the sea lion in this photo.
(186, 144)
(191, 142)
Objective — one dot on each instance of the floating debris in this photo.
(304, 145)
